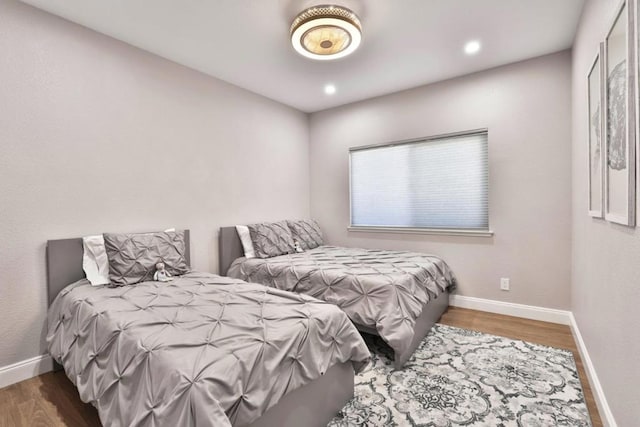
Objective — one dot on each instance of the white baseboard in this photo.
(601, 401)
(25, 369)
(532, 312)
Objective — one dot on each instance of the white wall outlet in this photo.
(504, 284)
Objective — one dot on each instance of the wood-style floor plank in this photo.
(52, 400)
(9, 417)
(46, 400)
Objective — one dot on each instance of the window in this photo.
(435, 183)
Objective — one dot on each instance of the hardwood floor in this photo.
(51, 399)
(47, 400)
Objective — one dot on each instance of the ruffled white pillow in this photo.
(94, 260)
(245, 238)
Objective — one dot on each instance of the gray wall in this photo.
(98, 136)
(526, 107)
(606, 257)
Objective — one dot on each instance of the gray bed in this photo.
(398, 295)
(143, 355)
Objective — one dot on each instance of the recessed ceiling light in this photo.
(326, 32)
(329, 89)
(472, 47)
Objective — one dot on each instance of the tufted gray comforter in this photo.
(201, 350)
(380, 289)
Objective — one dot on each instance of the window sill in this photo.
(432, 231)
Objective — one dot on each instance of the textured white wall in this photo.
(98, 136)
(526, 107)
(606, 257)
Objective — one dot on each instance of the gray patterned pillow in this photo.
(271, 239)
(306, 232)
(133, 257)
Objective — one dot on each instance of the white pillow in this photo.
(245, 238)
(94, 260)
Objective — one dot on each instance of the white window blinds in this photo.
(438, 183)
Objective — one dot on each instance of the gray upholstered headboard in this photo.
(64, 263)
(229, 248)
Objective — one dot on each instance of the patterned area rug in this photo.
(459, 377)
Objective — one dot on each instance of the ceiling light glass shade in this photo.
(326, 32)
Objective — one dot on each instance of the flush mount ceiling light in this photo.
(326, 32)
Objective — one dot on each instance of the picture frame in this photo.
(596, 126)
(636, 100)
(620, 118)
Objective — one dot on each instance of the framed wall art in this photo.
(636, 100)
(620, 163)
(595, 91)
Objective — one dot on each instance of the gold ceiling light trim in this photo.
(326, 32)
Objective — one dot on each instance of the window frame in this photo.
(471, 232)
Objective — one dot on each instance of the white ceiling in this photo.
(406, 43)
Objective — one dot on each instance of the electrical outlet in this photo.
(504, 284)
